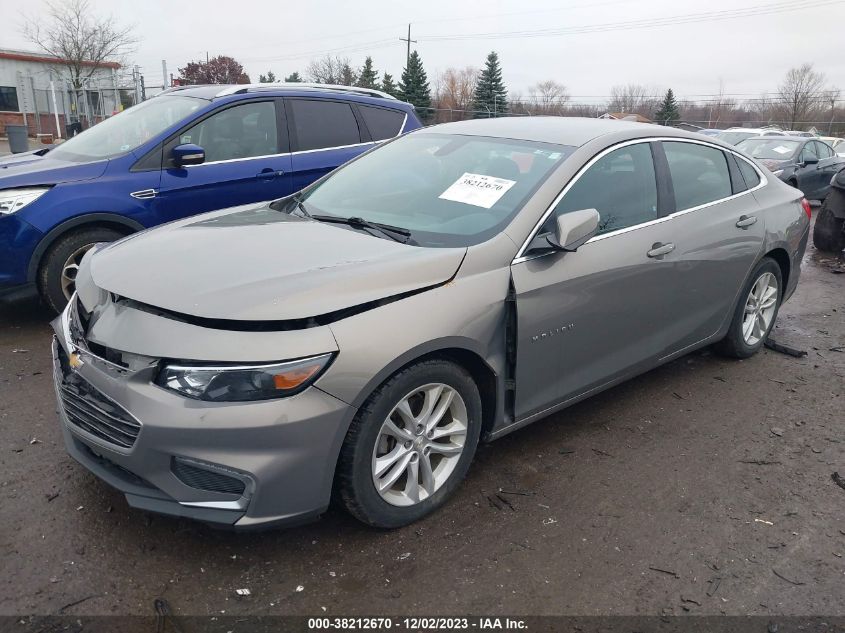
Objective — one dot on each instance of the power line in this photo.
(710, 16)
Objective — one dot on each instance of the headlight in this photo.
(12, 200)
(777, 172)
(239, 383)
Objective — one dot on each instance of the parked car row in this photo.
(807, 164)
(186, 151)
(357, 340)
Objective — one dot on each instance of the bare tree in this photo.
(801, 95)
(453, 90)
(632, 99)
(69, 31)
(330, 70)
(548, 97)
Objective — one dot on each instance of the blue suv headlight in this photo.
(12, 200)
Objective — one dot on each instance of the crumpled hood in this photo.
(29, 169)
(257, 264)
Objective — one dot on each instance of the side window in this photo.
(823, 150)
(752, 179)
(699, 173)
(243, 131)
(621, 186)
(381, 122)
(808, 152)
(321, 124)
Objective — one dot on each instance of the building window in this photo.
(8, 99)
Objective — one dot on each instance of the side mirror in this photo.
(188, 154)
(573, 229)
(810, 160)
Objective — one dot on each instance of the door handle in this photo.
(745, 221)
(659, 249)
(269, 174)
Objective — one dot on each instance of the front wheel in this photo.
(410, 445)
(755, 313)
(57, 275)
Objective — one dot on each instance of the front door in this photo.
(246, 160)
(587, 317)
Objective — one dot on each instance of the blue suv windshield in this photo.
(125, 131)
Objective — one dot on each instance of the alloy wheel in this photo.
(70, 268)
(419, 444)
(760, 307)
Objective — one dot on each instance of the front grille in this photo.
(206, 479)
(91, 410)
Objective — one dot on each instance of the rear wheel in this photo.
(829, 230)
(57, 275)
(755, 313)
(410, 445)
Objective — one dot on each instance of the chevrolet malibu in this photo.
(357, 340)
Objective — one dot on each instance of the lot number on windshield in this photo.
(477, 190)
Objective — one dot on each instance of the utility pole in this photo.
(164, 74)
(408, 41)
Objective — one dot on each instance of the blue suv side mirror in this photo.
(188, 154)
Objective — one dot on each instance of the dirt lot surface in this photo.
(702, 487)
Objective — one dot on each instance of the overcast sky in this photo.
(747, 44)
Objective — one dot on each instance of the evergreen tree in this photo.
(293, 78)
(347, 75)
(414, 87)
(490, 97)
(388, 85)
(269, 78)
(668, 112)
(368, 76)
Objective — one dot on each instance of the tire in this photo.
(72, 245)
(355, 481)
(736, 344)
(829, 230)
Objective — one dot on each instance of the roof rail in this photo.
(241, 88)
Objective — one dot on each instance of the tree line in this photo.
(71, 30)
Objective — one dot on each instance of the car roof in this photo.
(573, 131)
(217, 91)
(778, 137)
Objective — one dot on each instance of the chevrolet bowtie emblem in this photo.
(75, 361)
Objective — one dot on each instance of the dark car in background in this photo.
(186, 151)
(807, 164)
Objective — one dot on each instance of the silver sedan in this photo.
(357, 340)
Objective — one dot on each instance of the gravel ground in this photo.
(702, 487)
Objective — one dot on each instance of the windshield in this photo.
(446, 189)
(769, 149)
(125, 131)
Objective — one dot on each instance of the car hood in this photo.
(31, 169)
(257, 264)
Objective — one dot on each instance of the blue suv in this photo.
(186, 151)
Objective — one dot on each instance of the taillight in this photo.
(805, 204)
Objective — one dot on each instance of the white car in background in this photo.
(735, 135)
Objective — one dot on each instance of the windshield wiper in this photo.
(355, 222)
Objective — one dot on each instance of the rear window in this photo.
(322, 124)
(752, 179)
(381, 122)
(699, 173)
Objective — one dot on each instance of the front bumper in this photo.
(283, 452)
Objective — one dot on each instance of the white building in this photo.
(35, 90)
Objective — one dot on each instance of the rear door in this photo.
(718, 231)
(324, 134)
(587, 317)
(246, 160)
(829, 164)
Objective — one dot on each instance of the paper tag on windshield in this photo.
(780, 149)
(477, 190)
